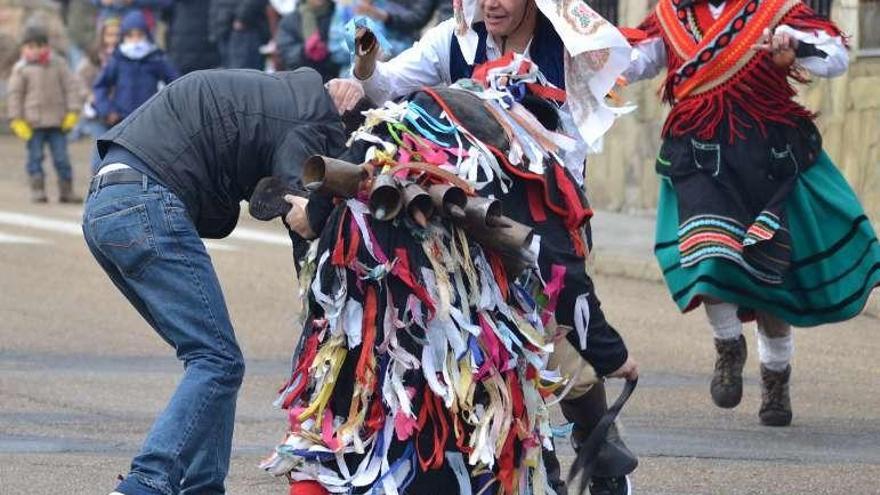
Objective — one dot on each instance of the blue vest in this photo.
(546, 50)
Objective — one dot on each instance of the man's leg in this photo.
(144, 233)
(34, 167)
(775, 349)
(584, 405)
(731, 353)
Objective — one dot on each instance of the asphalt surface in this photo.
(82, 376)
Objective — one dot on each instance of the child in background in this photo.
(133, 73)
(43, 101)
(87, 72)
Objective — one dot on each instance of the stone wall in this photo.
(622, 177)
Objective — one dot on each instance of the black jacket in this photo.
(291, 44)
(188, 42)
(212, 135)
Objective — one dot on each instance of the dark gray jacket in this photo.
(212, 135)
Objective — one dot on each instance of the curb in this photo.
(603, 262)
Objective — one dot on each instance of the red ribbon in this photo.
(402, 271)
(432, 408)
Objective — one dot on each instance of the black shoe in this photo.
(614, 458)
(727, 382)
(775, 399)
(619, 485)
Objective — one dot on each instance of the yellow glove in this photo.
(21, 129)
(69, 121)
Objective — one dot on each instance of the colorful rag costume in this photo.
(579, 52)
(752, 211)
(423, 362)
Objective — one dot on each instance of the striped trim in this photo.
(797, 265)
(710, 236)
(725, 223)
(734, 256)
(764, 228)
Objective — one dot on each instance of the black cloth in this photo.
(291, 44)
(188, 42)
(212, 135)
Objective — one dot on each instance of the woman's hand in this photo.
(781, 46)
(296, 218)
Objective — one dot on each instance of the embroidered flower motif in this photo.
(581, 17)
(597, 59)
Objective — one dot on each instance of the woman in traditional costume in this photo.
(754, 220)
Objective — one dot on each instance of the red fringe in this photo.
(803, 18)
(760, 93)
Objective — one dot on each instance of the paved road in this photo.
(81, 376)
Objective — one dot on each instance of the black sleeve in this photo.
(411, 17)
(300, 143)
(318, 210)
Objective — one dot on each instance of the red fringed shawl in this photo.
(719, 81)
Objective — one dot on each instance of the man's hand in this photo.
(345, 93)
(296, 218)
(629, 370)
(781, 46)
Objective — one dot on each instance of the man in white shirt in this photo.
(446, 54)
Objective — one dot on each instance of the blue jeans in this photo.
(144, 239)
(57, 145)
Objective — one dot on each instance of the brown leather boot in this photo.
(38, 189)
(775, 399)
(65, 192)
(727, 382)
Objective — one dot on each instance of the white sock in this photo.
(725, 323)
(775, 352)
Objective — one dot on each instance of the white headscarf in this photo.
(596, 54)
